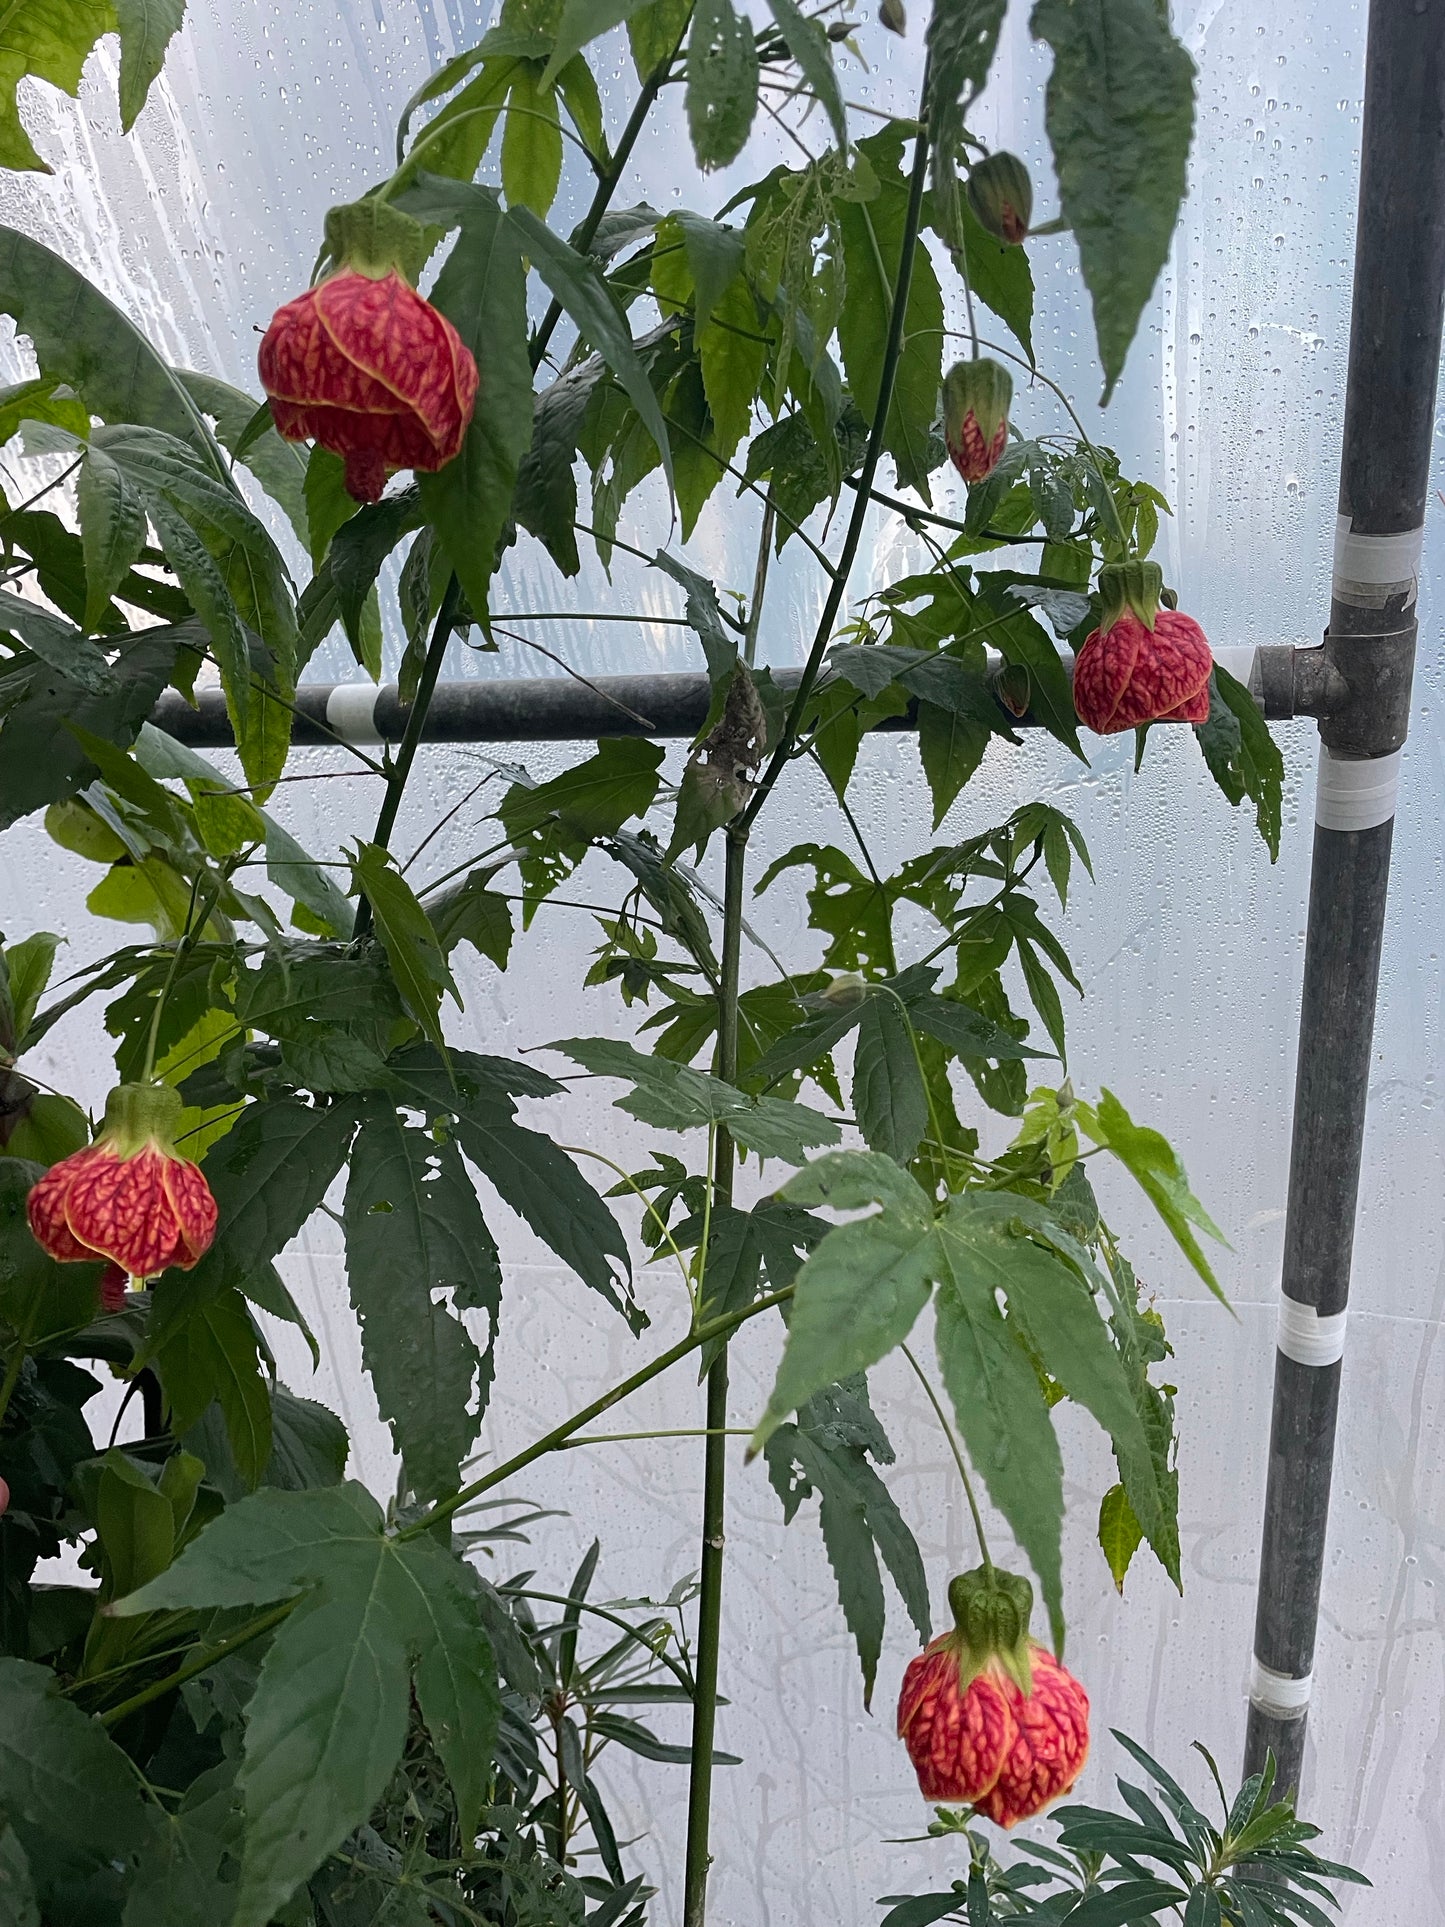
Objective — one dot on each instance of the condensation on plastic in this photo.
(1188, 945)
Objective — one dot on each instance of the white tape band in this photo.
(1369, 569)
(1356, 793)
(1237, 659)
(351, 712)
(1277, 1694)
(1308, 1338)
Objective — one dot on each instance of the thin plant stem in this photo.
(954, 1447)
(675, 1432)
(697, 1856)
(158, 1688)
(893, 349)
(400, 770)
(559, 1434)
(760, 581)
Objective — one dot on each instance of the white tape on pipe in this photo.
(1308, 1338)
(1277, 1694)
(351, 712)
(1356, 793)
(1370, 569)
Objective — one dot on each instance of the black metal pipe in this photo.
(559, 709)
(1394, 363)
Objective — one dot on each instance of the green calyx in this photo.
(1134, 585)
(991, 1612)
(373, 238)
(1001, 196)
(140, 1114)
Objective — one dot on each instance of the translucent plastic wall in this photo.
(1189, 947)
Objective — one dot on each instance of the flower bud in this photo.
(128, 1198)
(976, 397)
(1002, 197)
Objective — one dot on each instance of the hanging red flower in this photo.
(129, 1197)
(365, 366)
(1143, 664)
(989, 1717)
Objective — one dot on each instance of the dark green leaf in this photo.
(208, 1350)
(326, 1723)
(414, 1229)
(577, 283)
(146, 30)
(872, 246)
(1242, 756)
(1000, 277)
(112, 531)
(482, 290)
(418, 962)
(1120, 115)
(961, 39)
(1002, 1416)
(181, 1878)
(70, 1795)
(1121, 1906)
(889, 1099)
(280, 467)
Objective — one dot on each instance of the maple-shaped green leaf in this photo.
(377, 1618)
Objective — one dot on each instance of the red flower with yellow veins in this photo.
(990, 1717)
(130, 1197)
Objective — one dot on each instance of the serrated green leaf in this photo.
(722, 83)
(1120, 1533)
(281, 467)
(482, 290)
(677, 1098)
(50, 40)
(1120, 115)
(577, 283)
(1002, 1415)
(37, 401)
(209, 1350)
(70, 1795)
(1150, 1158)
(858, 1294)
(181, 1878)
(579, 24)
(146, 30)
(414, 1229)
(872, 234)
(418, 962)
(810, 48)
(1242, 755)
(1001, 278)
(889, 1098)
(326, 1723)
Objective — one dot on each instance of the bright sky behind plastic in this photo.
(1189, 944)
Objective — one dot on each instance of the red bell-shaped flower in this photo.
(128, 1197)
(365, 366)
(1143, 664)
(990, 1717)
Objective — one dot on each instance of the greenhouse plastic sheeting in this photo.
(1189, 947)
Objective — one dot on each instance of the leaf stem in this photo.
(559, 1435)
(892, 352)
(954, 1447)
(158, 1688)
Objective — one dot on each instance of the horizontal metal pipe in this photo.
(557, 709)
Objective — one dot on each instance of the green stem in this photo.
(697, 1857)
(954, 1447)
(396, 776)
(893, 349)
(160, 1687)
(560, 1434)
(760, 581)
(607, 184)
(675, 1432)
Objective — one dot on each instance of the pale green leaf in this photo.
(722, 82)
(418, 962)
(146, 30)
(1120, 1534)
(1154, 1163)
(531, 142)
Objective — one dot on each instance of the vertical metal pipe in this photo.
(1399, 296)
